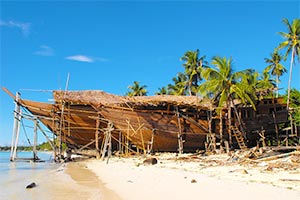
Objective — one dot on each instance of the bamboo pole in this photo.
(97, 138)
(15, 126)
(35, 157)
(48, 139)
(19, 117)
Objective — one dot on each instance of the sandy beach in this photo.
(186, 176)
(190, 177)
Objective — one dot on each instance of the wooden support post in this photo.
(127, 138)
(226, 146)
(107, 141)
(276, 128)
(15, 127)
(287, 138)
(179, 136)
(54, 131)
(97, 138)
(120, 143)
(61, 125)
(221, 130)
(292, 126)
(229, 123)
(19, 118)
(48, 139)
(35, 157)
(150, 144)
(211, 138)
(109, 153)
(58, 142)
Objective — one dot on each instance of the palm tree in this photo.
(193, 66)
(257, 86)
(180, 85)
(137, 90)
(265, 86)
(221, 81)
(275, 67)
(162, 91)
(292, 45)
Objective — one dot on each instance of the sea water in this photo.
(15, 176)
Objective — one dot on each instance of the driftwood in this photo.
(279, 156)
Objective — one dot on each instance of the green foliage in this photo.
(223, 84)
(45, 146)
(180, 85)
(295, 105)
(291, 38)
(192, 68)
(162, 91)
(292, 45)
(275, 67)
(136, 90)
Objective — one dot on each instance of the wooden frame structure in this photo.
(95, 123)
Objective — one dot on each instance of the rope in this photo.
(25, 132)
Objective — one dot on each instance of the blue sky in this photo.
(106, 45)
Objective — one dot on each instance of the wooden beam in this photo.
(9, 93)
(85, 146)
(194, 122)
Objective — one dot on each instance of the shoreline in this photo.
(87, 179)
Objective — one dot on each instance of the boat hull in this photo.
(158, 130)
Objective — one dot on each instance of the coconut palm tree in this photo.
(292, 45)
(276, 68)
(180, 85)
(222, 82)
(162, 91)
(193, 66)
(137, 90)
(256, 85)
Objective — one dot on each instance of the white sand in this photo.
(172, 179)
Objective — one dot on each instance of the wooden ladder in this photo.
(239, 137)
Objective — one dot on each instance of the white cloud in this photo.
(81, 58)
(45, 51)
(24, 27)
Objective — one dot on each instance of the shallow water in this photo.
(15, 176)
(53, 181)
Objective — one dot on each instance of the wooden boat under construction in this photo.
(94, 119)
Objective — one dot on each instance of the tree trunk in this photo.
(277, 83)
(289, 88)
(290, 78)
(229, 122)
(221, 127)
(190, 87)
(237, 115)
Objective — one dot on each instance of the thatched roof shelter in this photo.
(98, 98)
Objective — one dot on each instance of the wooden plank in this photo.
(9, 93)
